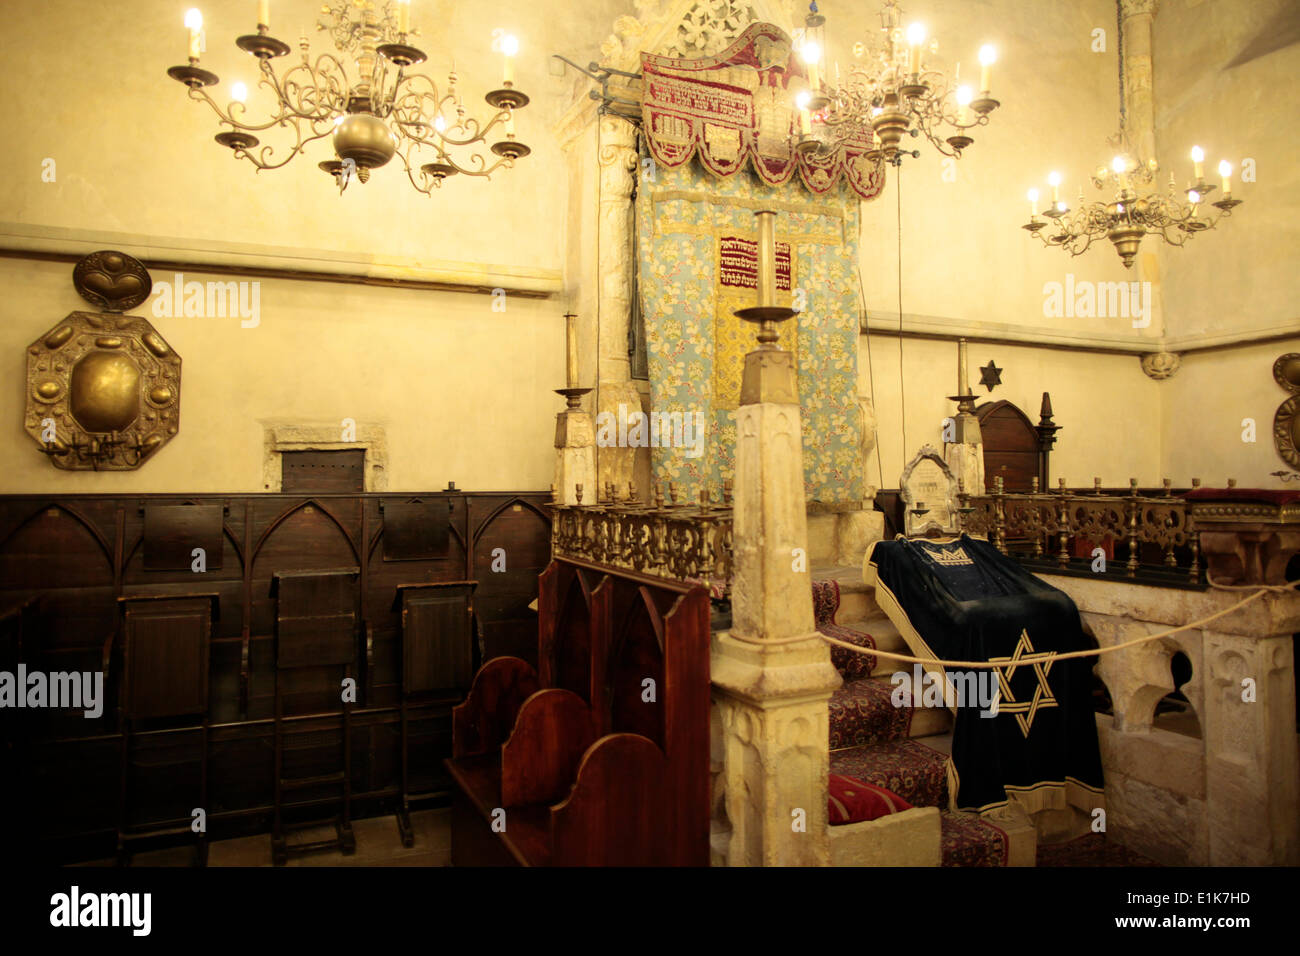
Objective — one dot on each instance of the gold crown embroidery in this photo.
(949, 557)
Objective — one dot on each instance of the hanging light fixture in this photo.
(894, 89)
(1133, 213)
(372, 114)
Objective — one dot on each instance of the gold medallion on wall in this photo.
(1286, 422)
(103, 388)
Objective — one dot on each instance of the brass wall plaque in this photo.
(1286, 422)
(103, 389)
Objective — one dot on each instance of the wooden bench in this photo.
(600, 756)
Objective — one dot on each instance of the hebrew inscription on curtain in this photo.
(698, 265)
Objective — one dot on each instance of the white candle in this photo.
(1055, 180)
(963, 101)
(194, 20)
(812, 55)
(988, 56)
(915, 37)
(1198, 157)
(1225, 170)
(1033, 203)
(509, 46)
(403, 16)
(805, 118)
(264, 13)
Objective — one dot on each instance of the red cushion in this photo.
(852, 801)
(1266, 496)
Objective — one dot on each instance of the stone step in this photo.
(907, 768)
(857, 601)
(862, 712)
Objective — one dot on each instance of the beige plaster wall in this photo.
(964, 257)
(1241, 276)
(1204, 406)
(135, 155)
(1108, 409)
(462, 392)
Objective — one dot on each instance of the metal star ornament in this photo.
(990, 376)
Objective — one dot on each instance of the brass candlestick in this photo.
(967, 426)
(572, 392)
(769, 370)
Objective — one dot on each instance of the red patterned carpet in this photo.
(1091, 850)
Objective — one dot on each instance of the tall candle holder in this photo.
(769, 370)
(967, 430)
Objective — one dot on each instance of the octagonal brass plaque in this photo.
(103, 389)
(1286, 421)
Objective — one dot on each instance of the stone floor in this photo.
(378, 844)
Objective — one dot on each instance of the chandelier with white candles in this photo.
(1133, 212)
(895, 88)
(363, 98)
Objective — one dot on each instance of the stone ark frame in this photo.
(928, 479)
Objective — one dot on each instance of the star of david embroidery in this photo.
(1024, 710)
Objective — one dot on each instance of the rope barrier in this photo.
(1051, 656)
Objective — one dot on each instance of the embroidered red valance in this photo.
(737, 108)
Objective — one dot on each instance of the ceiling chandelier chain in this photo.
(893, 90)
(385, 111)
(1133, 214)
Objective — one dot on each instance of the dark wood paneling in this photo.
(328, 472)
(173, 532)
(81, 553)
(437, 637)
(415, 530)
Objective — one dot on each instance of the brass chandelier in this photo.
(1133, 213)
(893, 90)
(373, 114)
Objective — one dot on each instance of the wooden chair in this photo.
(165, 648)
(316, 626)
(437, 661)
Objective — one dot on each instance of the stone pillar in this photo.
(1137, 17)
(575, 456)
(772, 675)
(1252, 770)
(1251, 764)
(618, 164)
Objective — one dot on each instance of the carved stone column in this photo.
(618, 164)
(772, 675)
(1251, 760)
(1137, 17)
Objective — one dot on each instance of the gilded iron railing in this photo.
(683, 541)
(1049, 521)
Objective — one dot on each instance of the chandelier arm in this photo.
(229, 118)
(422, 185)
(323, 94)
(263, 159)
